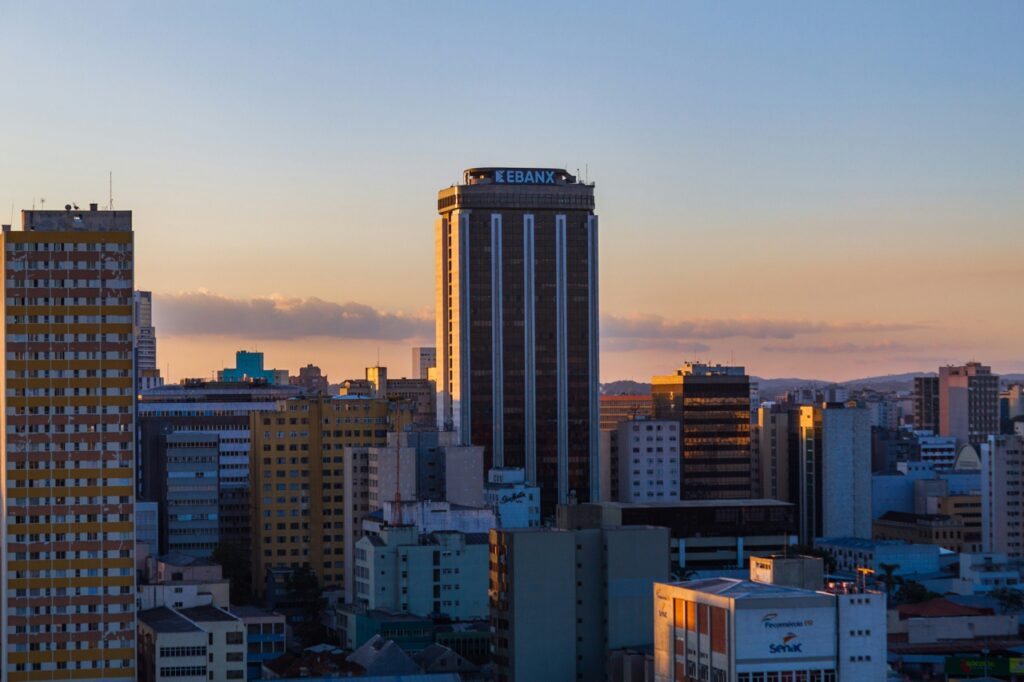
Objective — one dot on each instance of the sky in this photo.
(822, 190)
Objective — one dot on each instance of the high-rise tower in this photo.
(712, 403)
(517, 324)
(68, 598)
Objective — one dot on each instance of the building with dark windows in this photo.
(968, 402)
(926, 403)
(517, 324)
(712, 403)
(219, 411)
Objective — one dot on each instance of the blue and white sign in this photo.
(524, 176)
(790, 634)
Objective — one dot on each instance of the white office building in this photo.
(649, 460)
(835, 472)
(730, 630)
(515, 503)
(1002, 475)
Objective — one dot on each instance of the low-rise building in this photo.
(355, 625)
(399, 569)
(265, 637)
(194, 644)
(429, 516)
(984, 572)
(939, 451)
(706, 534)
(745, 631)
(852, 554)
(170, 647)
(926, 529)
(515, 503)
(179, 581)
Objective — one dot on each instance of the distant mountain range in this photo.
(773, 388)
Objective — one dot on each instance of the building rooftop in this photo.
(743, 589)
(163, 619)
(206, 614)
(180, 559)
(247, 611)
(862, 543)
(939, 608)
(190, 389)
(695, 504)
(911, 517)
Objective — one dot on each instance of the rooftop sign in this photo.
(524, 176)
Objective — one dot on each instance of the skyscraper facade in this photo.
(424, 359)
(145, 334)
(68, 597)
(517, 324)
(712, 403)
(926, 404)
(1002, 526)
(297, 480)
(968, 402)
(835, 471)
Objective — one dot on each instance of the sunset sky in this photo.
(824, 190)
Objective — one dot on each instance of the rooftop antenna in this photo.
(110, 190)
(42, 204)
(586, 172)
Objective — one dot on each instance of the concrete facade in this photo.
(444, 572)
(743, 631)
(68, 447)
(298, 481)
(650, 465)
(515, 503)
(835, 472)
(1002, 486)
(968, 402)
(424, 358)
(543, 630)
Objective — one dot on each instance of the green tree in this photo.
(304, 591)
(911, 592)
(237, 568)
(1011, 600)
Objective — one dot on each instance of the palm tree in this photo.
(889, 578)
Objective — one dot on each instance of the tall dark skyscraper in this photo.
(517, 324)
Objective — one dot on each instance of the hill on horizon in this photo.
(773, 387)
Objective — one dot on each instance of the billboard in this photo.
(785, 634)
(977, 666)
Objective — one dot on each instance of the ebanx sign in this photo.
(524, 176)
